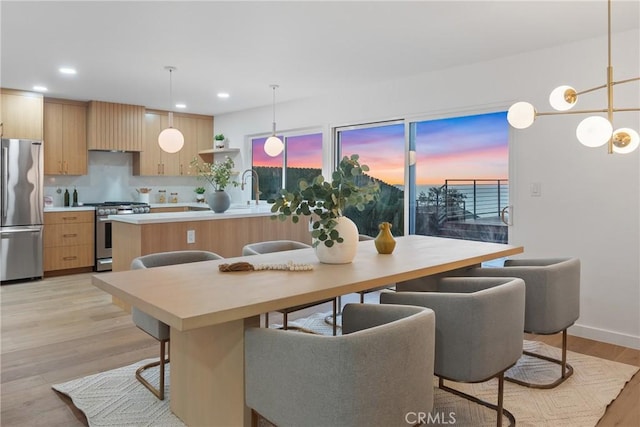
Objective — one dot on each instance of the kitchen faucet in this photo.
(254, 176)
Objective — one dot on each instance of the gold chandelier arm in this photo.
(561, 113)
(619, 82)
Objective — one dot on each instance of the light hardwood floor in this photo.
(62, 328)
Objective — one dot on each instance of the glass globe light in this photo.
(625, 140)
(521, 115)
(563, 98)
(273, 146)
(171, 140)
(594, 131)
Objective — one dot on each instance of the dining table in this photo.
(208, 309)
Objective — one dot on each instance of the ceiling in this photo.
(120, 49)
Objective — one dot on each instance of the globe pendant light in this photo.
(171, 139)
(273, 146)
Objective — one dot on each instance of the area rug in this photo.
(116, 398)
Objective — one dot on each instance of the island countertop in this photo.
(168, 217)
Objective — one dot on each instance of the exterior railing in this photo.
(475, 198)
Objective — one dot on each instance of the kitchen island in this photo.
(223, 233)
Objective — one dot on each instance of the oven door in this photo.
(103, 243)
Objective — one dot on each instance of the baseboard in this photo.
(604, 335)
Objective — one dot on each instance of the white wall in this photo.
(590, 203)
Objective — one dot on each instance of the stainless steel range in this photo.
(103, 227)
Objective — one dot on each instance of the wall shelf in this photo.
(209, 155)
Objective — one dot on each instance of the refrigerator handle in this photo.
(5, 180)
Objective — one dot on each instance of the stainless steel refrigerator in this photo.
(21, 208)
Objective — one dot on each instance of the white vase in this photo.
(340, 253)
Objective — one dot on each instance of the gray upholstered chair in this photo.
(478, 330)
(375, 374)
(279, 246)
(152, 326)
(552, 304)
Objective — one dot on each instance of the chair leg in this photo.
(266, 320)
(335, 316)
(285, 321)
(361, 297)
(499, 408)
(158, 392)
(566, 370)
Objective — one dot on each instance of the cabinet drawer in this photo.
(63, 257)
(68, 234)
(73, 217)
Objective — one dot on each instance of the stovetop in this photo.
(120, 208)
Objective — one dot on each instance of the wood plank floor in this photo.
(63, 328)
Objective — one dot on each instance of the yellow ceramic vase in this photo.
(385, 243)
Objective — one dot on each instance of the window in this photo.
(381, 147)
(300, 159)
(460, 177)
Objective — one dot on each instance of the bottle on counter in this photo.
(162, 196)
(66, 198)
(173, 198)
(75, 197)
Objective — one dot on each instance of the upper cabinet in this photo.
(21, 114)
(115, 127)
(198, 134)
(65, 137)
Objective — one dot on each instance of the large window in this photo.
(381, 147)
(461, 177)
(300, 159)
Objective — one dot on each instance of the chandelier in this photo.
(595, 130)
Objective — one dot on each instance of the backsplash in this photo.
(110, 179)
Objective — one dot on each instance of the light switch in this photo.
(191, 236)
(535, 189)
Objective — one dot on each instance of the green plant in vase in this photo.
(325, 201)
(218, 174)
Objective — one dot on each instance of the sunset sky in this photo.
(455, 148)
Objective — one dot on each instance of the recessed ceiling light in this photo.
(223, 95)
(67, 70)
(40, 88)
(181, 105)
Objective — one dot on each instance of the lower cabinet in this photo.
(68, 240)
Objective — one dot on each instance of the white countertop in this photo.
(68, 209)
(166, 217)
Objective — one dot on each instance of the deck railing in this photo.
(483, 198)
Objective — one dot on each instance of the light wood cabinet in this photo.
(65, 137)
(152, 160)
(21, 114)
(197, 131)
(115, 127)
(68, 240)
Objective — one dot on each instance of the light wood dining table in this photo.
(208, 310)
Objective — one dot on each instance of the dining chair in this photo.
(278, 246)
(552, 303)
(375, 374)
(479, 324)
(149, 324)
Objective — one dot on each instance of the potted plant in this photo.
(335, 236)
(219, 141)
(218, 174)
(200, 194)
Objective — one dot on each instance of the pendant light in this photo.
(594, 131)
(171, 139)
(273, 146)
